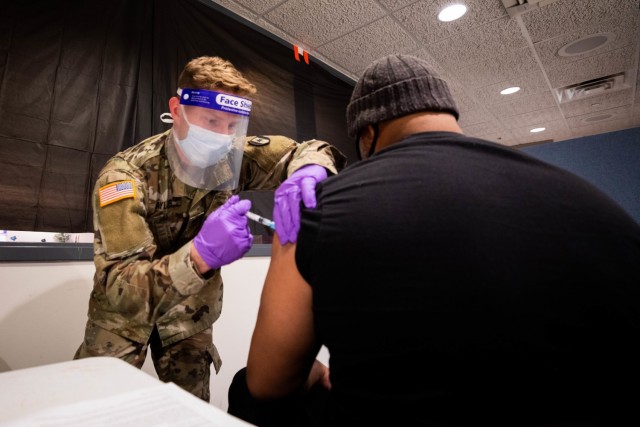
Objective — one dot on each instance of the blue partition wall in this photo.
(610, 161)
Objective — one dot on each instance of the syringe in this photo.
(262, 220)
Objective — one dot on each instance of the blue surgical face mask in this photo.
(203, 147)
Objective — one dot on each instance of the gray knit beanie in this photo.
(395, 86)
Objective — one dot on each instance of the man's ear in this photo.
(366, 139)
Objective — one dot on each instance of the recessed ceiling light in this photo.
(586, 44)
(509, 90)
(453, 12)
(536, 130)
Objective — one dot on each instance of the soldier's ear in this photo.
(174, 105)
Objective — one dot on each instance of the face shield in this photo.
(208, 153)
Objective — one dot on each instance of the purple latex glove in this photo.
(301, 185)
(225, 236)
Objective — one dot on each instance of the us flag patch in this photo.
(116, 191)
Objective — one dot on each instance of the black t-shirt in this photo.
(459, 281)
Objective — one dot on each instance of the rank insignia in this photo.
(259, 141)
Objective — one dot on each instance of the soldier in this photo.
(165, 222)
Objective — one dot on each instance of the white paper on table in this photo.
(163, 405)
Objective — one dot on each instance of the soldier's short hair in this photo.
(214, 73)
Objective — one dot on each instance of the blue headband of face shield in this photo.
(216, 101)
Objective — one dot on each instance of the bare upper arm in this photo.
(283, 346)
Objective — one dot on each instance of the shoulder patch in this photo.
(116, 191)
(259, 141)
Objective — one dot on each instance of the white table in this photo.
(100, 391)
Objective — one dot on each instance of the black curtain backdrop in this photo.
(82, 80)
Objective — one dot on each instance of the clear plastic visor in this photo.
(218, 112)
(207, 150)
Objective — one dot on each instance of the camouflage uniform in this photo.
(146, 290)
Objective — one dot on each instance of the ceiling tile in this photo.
(597, 103)
(485, 128)
(522, 105)
(236, 8)
(478, 44)
(464, 102)
(358, 49)
(437, 67)
(313, 55)
(421, 18)
(591, 119)
(532, 119)
(593, 67)
(529, 84)
(276, 31)
(637, 97)
(604, 127)
(329, 63)
(555, 130)
(316, 23)
(395, 4)
(478, 55)
(566, 16)
(625, 33)
(475, 116)
(258, 6)
(507, 66)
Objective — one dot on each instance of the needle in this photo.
(262, 220)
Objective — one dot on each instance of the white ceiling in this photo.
(495, 45)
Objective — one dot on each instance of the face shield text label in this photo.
(216, 101)
(198, 99)
(233, 104)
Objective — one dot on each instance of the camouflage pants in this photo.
(186, 363)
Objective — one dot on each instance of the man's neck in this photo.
(398, 129)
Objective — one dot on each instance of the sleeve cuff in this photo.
(318, 153)
(186, 280)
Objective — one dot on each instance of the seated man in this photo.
(454, 281)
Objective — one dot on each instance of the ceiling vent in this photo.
(599, 86)
(597, 118)
(516, 7)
